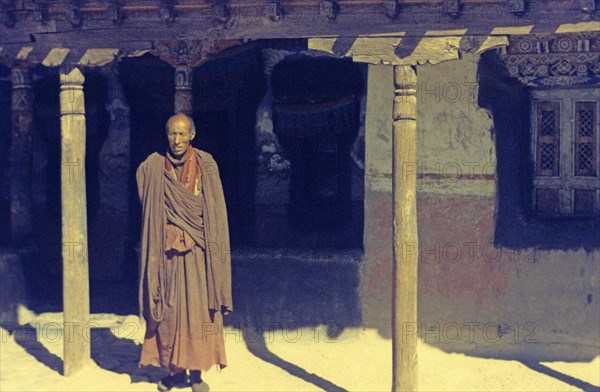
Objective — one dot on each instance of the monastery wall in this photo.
(474, 296)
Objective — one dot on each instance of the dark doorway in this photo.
(226, 93)
(316, 109)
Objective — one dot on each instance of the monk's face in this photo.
(180, 135)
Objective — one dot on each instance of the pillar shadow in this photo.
(288, 289)
(110, 352)
(293, 288)
(278, 289)
(28, 337)
(259, 349)
(115, 351)
(577, 383)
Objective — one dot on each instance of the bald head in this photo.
(180, 132)
(183, 119)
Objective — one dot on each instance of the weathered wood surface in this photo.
(432, 48)
(21, 214)
(396, 48)
(76, 296)
(405, 262)
(137, 25)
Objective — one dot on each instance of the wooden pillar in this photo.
(404, 297)
(183, 90)
(76, 296)
(21, 216)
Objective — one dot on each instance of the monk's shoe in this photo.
(167, 383)
(197, 384)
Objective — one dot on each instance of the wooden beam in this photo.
(434, 47)
(372, 45)
(405, 261)
(76, 295)
(137, 23)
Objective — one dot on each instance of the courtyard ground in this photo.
(305, 359)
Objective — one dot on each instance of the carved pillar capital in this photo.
(20, 155)
(71, 88)
(71, 76)
(20, 77)
(183, 89)
(22, 96)
(405, 99)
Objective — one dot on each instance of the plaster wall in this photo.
(474, 297)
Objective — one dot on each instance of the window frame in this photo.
(567, 182)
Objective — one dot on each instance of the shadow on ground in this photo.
(577, 383)
(288, 289)
(29, 338)
(276, 289)
(259, 349)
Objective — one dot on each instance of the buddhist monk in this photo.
(185, 266)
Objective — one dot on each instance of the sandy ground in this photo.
(301, 360)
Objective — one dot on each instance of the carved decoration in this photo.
(190, 53)
(391, 8)
(116, 12)
(587, 6)
(166, 11)
(328, 9)
(74, 15)
(516, 6)
(554, 59)
(452, 8)
(273, 10)
(183, 90)
(8, 9)
(22, 98)
(180, 52)
(20, 152)
(220, 10)
(40, 13)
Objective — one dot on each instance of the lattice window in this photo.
(586, 131)
(548, 147)
(548, 122)
(565, 151)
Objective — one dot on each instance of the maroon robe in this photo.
(184, 289)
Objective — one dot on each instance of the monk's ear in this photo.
(192, 135)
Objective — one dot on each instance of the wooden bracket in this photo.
(116, 12)
(40, 13)
(166, 11)
(8, 17)
(220, 10)
(516, 6)
(391, 8)
(74, 15)
(452, 8)
(273, 10)
(587, 6)
(328, 9)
